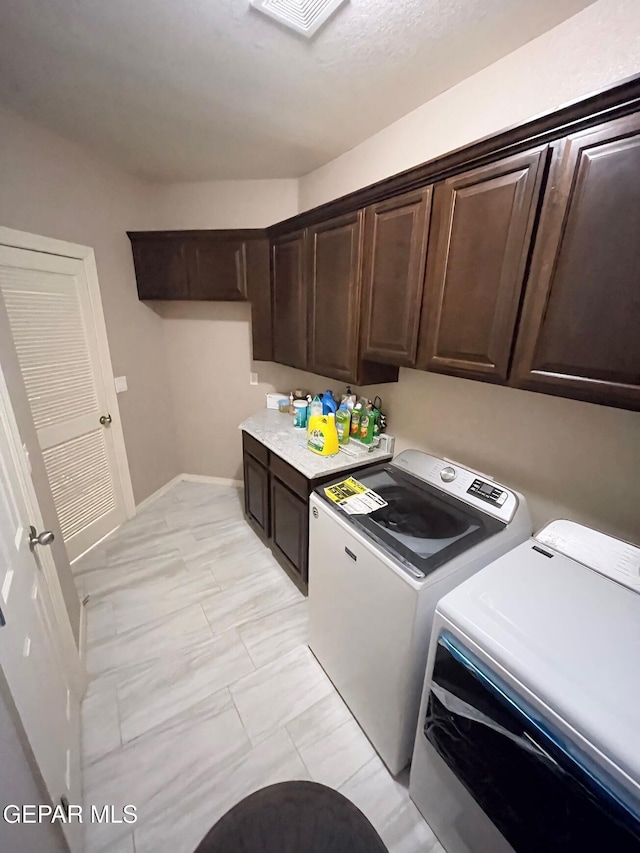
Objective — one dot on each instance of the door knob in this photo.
(44, 538)
(105, 419)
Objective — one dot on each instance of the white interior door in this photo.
(51, 317)
(29, 648)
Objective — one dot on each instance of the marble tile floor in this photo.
(202, 688)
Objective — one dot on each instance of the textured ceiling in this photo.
(207, 89)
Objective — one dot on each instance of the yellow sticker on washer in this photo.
(354, 498)
(346, 489)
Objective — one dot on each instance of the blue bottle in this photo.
(329, 405)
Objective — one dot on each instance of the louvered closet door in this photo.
(50, 315)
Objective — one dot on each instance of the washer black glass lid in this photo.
(405, 514)
(421, 526)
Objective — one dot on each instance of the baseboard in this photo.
(181, 478)
(153, 497)
(215, 481)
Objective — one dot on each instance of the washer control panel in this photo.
(472, 487)
(448, 474)
(487, 492)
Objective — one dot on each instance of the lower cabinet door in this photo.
(256, 492)
(290, 526)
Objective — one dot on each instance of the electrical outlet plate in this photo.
(253, 379)
(121, 384)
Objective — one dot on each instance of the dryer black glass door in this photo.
(536, 789)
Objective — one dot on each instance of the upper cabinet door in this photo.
(259, 295)
(395, 242)
(217, 268)
(334, 250)
(160, 262)
(289, 300)
(480, 235)
(580, 330)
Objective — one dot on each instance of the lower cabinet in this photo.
(276, 505)
(290, 527)
(256, 492)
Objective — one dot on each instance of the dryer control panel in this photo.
(612, 557)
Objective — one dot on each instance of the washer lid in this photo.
(568, 634)
(419, 525)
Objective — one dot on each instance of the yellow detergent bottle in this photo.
(322, 437)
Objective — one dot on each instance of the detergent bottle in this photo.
(322, 437)
(328, 403)
(343, 423)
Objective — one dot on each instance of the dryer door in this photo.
(539, 792)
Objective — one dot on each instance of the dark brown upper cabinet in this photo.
(221, 266)
(217, 267)
(199, 265)
(481, 230)
(160, 260)
(334, 253)
(289, 303)
(395, 241)
(580, 330)
(334, 286)
(259, 294)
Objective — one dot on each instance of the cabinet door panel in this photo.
(256, 492)
(333, 275)
(480, 236)
(161, 267)
(580, 331)
(395, 246)
(289, 301)
(217, 269)
(290, 526)
(259, 294)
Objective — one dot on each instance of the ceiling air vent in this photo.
(304, 16)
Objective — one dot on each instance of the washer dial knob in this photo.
(448, 474)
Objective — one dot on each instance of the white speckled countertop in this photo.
(276, 432)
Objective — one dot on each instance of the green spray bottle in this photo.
(343, 423)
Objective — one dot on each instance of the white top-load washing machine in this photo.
(528, 737)
(381, 553)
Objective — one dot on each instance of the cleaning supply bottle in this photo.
(343, 423)
(355, 420)
(322, 437)
(367, 421)
(349, 398)
(328, 403)
(315, 407)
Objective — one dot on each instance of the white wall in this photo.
(589, 51)
(208, 344)
(223, 204)
(52, 186)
